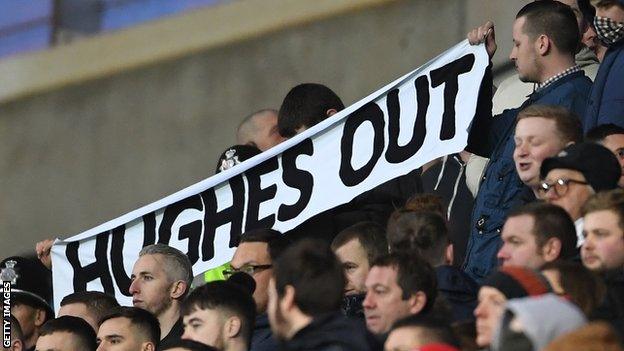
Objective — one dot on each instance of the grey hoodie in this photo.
(543, 318)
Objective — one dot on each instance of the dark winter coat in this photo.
(606, 100)
(501, 187)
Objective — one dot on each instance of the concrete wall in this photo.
(81, 153)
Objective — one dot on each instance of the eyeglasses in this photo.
(248, 269)
(560, 186)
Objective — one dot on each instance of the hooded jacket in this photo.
(543, 319)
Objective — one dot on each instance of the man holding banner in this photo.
(546, 37)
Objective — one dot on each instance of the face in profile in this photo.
(384, 303)
(520, 244)
(488, 313)
(151, 287)
(255, 254)
(355, 263)
(524, 54)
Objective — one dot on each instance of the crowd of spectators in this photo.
(517, 243)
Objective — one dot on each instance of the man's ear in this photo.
(148, 346)
(331, 112)
(551, 249)
(40, 316)
(543, 44)
(449, 255)
(18, 345)
(417, 302)
(288, 300)
(178, 289)
(232, 327)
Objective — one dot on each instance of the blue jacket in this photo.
(501, 188)
(606, 101)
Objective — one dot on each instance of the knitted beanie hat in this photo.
(515, 282)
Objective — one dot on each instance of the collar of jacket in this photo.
(554, 85)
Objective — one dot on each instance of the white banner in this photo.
(417, 118)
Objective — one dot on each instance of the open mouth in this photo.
(524, 166)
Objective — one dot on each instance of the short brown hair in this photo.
(612, 200)
(567, 123)
(421, 232)
(370, 235)
(582, 286)
(550, 221)
(426, 202)
(414, 274)
(555, 20)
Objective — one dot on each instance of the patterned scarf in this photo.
(608, 30)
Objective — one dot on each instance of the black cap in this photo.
(234, 155)
(599, 166)
(31, 282)
(243, 280)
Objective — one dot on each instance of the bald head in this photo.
(260, 130)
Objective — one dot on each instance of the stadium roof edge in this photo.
(167, 39)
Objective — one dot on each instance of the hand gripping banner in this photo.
(421, 116)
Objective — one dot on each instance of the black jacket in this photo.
(351, 306)
(459, 291)
(175, 334)
(612, 308)
(262, 338)
(331, 332)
